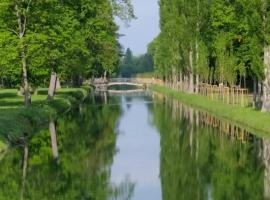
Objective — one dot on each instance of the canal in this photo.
(138, 146)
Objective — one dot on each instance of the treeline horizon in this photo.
(132, 65)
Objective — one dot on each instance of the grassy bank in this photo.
(248, 118)
(17, 121)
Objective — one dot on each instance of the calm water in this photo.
(138, 146)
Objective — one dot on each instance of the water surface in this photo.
(139, 146)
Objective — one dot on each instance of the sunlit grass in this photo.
(247, 117)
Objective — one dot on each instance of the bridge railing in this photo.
(136, 80)
(147, 81)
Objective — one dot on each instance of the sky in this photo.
(142, 30)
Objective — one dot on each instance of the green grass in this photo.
(252, 120)
(17, 121)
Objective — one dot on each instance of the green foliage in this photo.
(226, 38)
(77, 39)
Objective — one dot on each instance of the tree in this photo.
(219, 42)
(72, 40)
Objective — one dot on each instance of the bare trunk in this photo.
(197, 84)
(21, 34)
(52, 87)
(27, 94)
(174, 78)
(180, 82)
(197, 62)
(191, 78)
(53, 140)
(266, 83)
(255, 84)
(105, 76)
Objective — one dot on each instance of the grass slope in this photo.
(17, 121)
(252, 120)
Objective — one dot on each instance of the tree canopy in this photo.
(219, 41)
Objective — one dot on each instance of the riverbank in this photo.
(16, 121)
(252, 120)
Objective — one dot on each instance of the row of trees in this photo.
(215, 42)
(76, 39)
(131, 65)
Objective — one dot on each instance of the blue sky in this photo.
(142, 30)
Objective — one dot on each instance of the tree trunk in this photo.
(21, 34)
(191, 78)
(180, 82)
(197, 84)
(53, 140)
(52, 87)
(105, 76)
(27, 95)
(266, 83)
(197, 59)
(255, 85)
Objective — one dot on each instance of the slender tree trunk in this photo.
(105, 76)
(174, 78)
(53, 140)
(255, 85)
(21, 34)
(52, 87)
(266, 83)
(180, 82)
(27, 94)
(191, 78)
(197, 59)
(197, 84)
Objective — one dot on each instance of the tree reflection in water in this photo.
(86, 145)
(199, 160)
(201, 157)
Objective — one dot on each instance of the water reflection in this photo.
(137, 147)
(138, 144)
(266, 159)
(86, 146)
(199, 161)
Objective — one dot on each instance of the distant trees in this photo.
(131, 65)
(73, 39)
(216, 42)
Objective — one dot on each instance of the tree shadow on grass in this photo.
(6, 103)
(8, 95)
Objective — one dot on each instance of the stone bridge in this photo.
(103, 84)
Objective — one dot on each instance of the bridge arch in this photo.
(125, 83)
